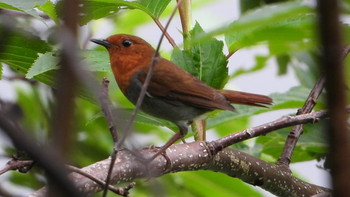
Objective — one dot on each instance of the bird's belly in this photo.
(172, 110)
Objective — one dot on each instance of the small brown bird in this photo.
(173, 94)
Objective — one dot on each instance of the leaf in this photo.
(183, 58)
(49, 9)
(312, 144)
(122, 117)
(294, 33)
(207, 183)
(97, 61)
(154, 7)
(260, 64)
(261, 24)
(306, 68)
(205, 60)
(96, 9)
(282, 61)
(26, 6)
(44, 63)
(21, 51)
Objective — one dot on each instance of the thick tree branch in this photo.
(206, 156)
(196, 156)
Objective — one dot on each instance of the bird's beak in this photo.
(102, 42)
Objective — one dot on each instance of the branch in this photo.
(195, 156)
(20, 165)
(206, 156)
(161, 27)
(283, 122)
(297, 130)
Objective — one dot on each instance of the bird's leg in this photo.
(172, 140)
(177, 136)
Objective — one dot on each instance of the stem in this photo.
(186, 21)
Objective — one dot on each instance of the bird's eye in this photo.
(127, 43)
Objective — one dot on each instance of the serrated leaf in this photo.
(183, 58)
(44, 63)
(205, 60)
(21, 51)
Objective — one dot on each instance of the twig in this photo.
(297, 130)
(183, 19)
(230, 54)
(170, 39)
(268, 127)
(120, 191)
(14, 164)
(105, 105)
(104, 100)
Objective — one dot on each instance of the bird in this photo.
(173, 94)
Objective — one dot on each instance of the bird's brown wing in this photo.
(174, 84)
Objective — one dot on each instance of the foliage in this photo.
(286, 29)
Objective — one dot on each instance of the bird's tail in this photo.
(244, 98)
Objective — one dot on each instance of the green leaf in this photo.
(44, 63)
(49, 9)
(205, 60)
(293, 33)
(183, 58)
(96, 9)
(261, 24)
(154, 7)
(246, 5)
(312, 144)
(21, 51)
(9, 7)
(97, 61)
(207, 183)
(282, 61)
(306, 68)
(260, 64)
(26, 6)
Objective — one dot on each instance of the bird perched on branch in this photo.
(172, 94)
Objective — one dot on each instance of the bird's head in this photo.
(127, 50)
(127, 55)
